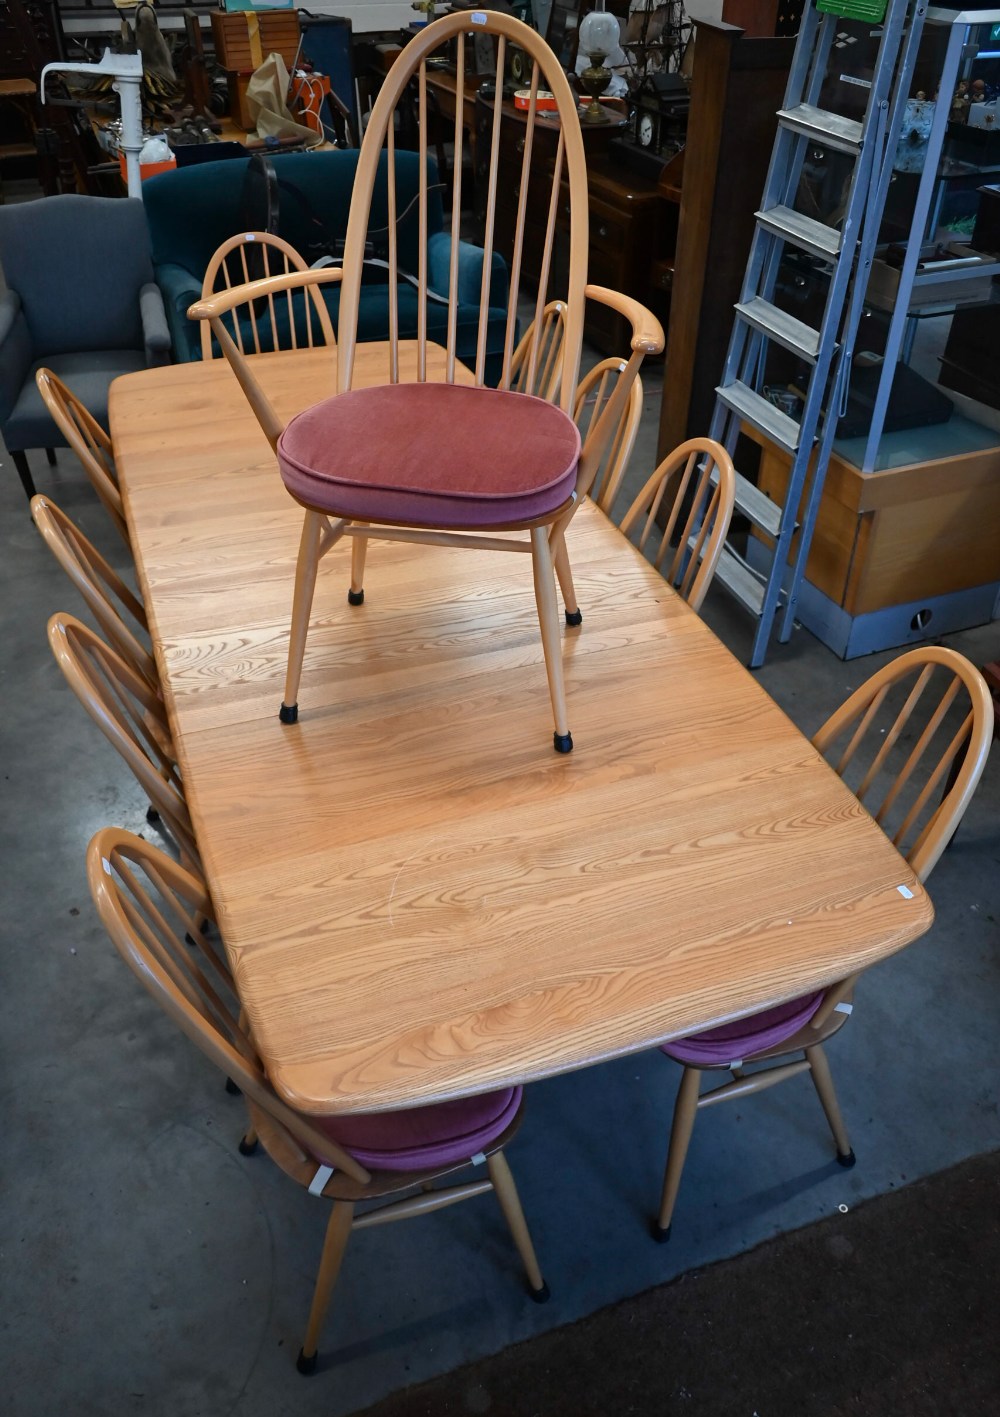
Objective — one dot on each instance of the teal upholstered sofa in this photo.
(192, 210)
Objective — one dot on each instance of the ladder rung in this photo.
(832, 130)
(754, 503)
(778, 325)
(764, 416)
(734, 573)
(802, 231)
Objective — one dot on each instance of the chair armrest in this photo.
(212, 306)
(179, 288)
(647, 332)
(470, 271)
(155, 332)
(15, 352)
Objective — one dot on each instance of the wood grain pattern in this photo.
(419, 899)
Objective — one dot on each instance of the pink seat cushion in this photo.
(741, 1040)
(441, 1135)
(431, 455)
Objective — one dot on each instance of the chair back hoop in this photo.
(273, 256)
(914, 764)
(701, 481)
(214, 307)
(593, 393)
(88, 440)
(129, 714)
(567, 171)
(536, 365)
(103, 590)
(151, 906)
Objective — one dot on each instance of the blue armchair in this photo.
(192, 210)
(80, 300)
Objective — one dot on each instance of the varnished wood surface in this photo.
(421, 899)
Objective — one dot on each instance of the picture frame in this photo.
(563, 32)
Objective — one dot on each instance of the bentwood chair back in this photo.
(132, 718)
(151, 907)
(89, 441)
(295, 318)
(685, 509)
(912, 743)
(592, 394)
(536, 367)
(113, 605)
(441, 452)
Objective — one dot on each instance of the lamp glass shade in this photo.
(599, 33)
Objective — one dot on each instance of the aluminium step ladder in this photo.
(845, 251)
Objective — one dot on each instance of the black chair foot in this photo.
(152, 816)
(659, 1234)
(306, 1366)
(846, 1161)
(50, 453)
(356, 597)
(232, 1089)
(289, 713)
(574, 617)
(248, 1148)
(24, 473)
(540, 1296)
(562, 742)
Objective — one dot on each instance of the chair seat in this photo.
(741, 1040)
(432, 455)
(441, 1135)
(87, 373)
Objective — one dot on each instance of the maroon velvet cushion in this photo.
(431, 455)
(440, 1135)
(747, 1036)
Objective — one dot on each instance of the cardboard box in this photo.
(243, 41)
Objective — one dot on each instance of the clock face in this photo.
(645, 130)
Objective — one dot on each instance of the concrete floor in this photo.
(147, 1267)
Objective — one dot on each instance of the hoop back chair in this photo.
(912, 743)
(107, 597)
(592, 393)
(132, 718)
(148, 904)
(434, 454)
(282, 320)
(89, 441)
(701, 481)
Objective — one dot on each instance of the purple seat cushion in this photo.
(440, 1135)
(432, 455)
(741, 1040)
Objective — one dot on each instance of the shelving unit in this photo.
(906, 545)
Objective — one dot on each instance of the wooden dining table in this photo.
(419, 898)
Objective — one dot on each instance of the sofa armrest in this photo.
(180, 289)
(470, 271)
(155, 333)
(15, 352)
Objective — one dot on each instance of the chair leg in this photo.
(685, 1111)
(338, 1232)
(574, 615)
(50, 454)
(548, 620)
(359, 549)
(24, 473)
(819, 1071)
(305, 584)
(510, 1204)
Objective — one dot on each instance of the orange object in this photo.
(308, 93)
(545, 102)
(146, 169)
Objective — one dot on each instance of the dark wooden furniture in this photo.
(736, 89)
(626, 216)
